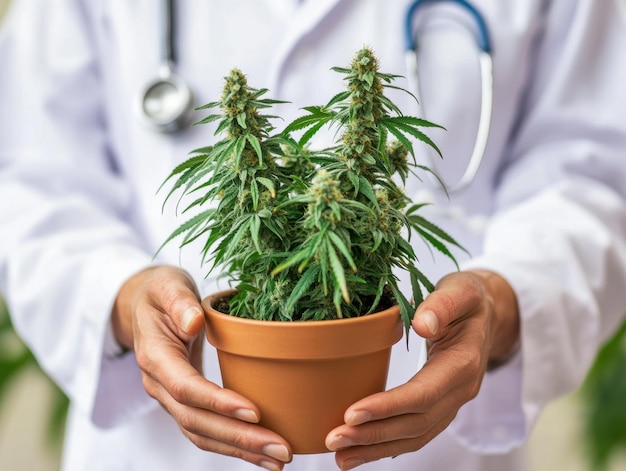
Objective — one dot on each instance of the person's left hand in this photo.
(471, 318)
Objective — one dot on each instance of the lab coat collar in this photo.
(307, 17)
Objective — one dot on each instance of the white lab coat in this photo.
(78, 176)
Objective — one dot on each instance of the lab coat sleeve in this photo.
(559, 233)
(66, 242)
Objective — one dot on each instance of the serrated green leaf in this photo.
(417, 134)
(212, 104)
(414, 121)
(254, 193)
(406, 311)
(418, 297)
(291, 261)
(436, 243)
(186, 226)
(337, 242)
(419, 221)
(256, 145)
(202, 150)
(365, 188)
(341, 70)
(255, 226)
(342, 96)
(302, 287)
(400, 136)
(188, 164)
(208, 119)
(241, 120)
(338, 271)
(269, 184)
(311, 132)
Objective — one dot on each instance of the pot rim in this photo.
(323, 339)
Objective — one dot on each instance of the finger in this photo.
(352, 457)
(214, 432)
(449, 379)
(238, 434)
(399, 427)
(195, 353)
(379, 431)
(174, 291)
(169, 367)
(455, 297)
(262, 460)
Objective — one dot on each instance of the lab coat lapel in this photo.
(306, 18)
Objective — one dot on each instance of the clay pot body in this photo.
(303, 375)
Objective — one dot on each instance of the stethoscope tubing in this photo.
(177, 118)
(486, 72)
(483, 39)
(167, 32)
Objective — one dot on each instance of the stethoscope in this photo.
(164, 104)
(486, 73)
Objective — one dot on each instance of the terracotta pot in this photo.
(303, 375)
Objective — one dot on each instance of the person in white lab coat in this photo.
(544, 220)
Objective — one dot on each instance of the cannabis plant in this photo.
(305, 233)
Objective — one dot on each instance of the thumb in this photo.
(455, 296)
(180, 299)
(192, 319)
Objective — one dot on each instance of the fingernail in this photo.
(270, 466)
(277, 451)
(430, 320)
(338, 442)
(247, 415)
(351, 463)
(189, 316)
(358, 417)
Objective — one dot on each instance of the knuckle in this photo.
(449, 305)
(383, 450)
(390, 406)
(472, 366)
(475, 359)
(186, 421)
(143, 360)
(431, 395)
(179, 391)
(239, 453)
(148, 386)
(155, 283)
(371, 435)
(196, 440)
(474, 389)
(219, 401)
(169, 298)
(241, 440)
(160, 287)
(474, 289)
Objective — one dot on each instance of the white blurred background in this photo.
(31, 437)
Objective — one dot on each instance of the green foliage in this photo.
(310, 234)
(604, 401)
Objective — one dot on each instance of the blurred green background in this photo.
(583, 431)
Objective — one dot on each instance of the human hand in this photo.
(470, 319)
(158, 315)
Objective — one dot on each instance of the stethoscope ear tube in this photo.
(486, 73)
(482, 33)
(164, 104)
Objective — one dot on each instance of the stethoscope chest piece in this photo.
(164, 104)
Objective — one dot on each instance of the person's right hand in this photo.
(158, 314)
